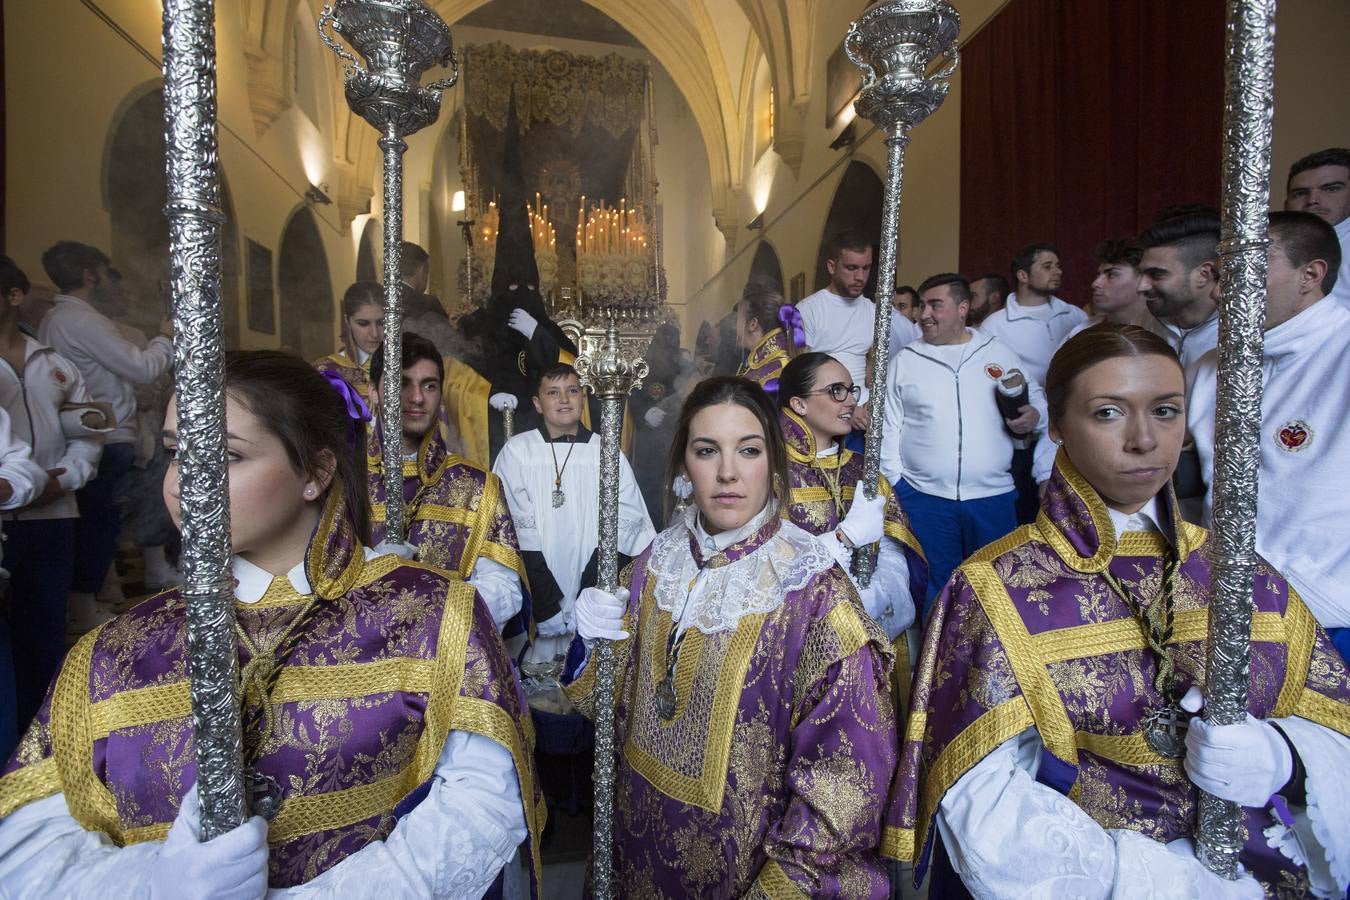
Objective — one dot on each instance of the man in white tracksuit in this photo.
(948, 449)
(1319, 183)
(1305, 435)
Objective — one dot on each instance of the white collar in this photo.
(1015, 310)
(709, 544)
(362, 357)
(1309, 328)
(831, 450)
(252, 582)
(1146, 519)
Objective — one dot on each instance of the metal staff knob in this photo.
(896, 43)
(612, 371)
(399, 39)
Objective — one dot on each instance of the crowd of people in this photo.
(989, 664)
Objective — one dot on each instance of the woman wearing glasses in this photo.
(816, 399)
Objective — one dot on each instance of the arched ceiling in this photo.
(685, 36)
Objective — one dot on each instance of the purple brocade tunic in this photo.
(812, 508)
(342, 365)
(1028, 634)
(770, 779)
(456, 512)
(391, 657)
(765, 363)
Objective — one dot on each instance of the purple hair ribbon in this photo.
(356, 406)
(791, 320)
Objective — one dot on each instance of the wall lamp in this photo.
(846, 138)
(315, 194)
(756, 223)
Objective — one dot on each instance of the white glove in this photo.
(1206, 883)
(503, 401)
(397, 548)
(1244, 763)
(554, 626)
(523, 322)
(600, 614)
(865, 519)
(232, 866)
(654, 417)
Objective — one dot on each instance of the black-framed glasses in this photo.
(839, 392)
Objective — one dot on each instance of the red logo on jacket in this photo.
(60, 377)
(994, 371)
(1294, 436)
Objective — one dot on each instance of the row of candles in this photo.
(607, 230)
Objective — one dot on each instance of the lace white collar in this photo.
(715, 599)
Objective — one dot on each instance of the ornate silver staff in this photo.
(195, 218)
(1246, 199)
(612, 373)
(895, 43)
(399, 39)
(508, 423)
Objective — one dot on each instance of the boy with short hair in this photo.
(551, 476)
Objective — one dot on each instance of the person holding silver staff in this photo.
(362, 335)
(1048, 751)
(755, 730)
(383, 729)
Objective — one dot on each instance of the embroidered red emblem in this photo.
(656, 391)
(1295, 436)
(994, 371)
(60, 377)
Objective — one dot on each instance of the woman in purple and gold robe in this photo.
(753, 753)
(770, 331)
(384, 732)
(362, 334)
(455, 512)
(816, 399)
(1048, 752)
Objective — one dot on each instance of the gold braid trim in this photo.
(142, 706)
(143, 833)
(707, 790)
(478, 532)
(1301, 634)
(902, 674)
(433, 512)
(88, 798)
(312, 813)
(916, 726)
(1120, 635)
(897, 843)
(503, 555)
(1044, 700)
(774, 883)
(843, 618)
(1126, 749)
(23, 786)
(1324, 711)
(387, 676)
(491, 721)
(1009, 719)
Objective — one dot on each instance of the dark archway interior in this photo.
(367, 268)
(136, 192)
(765, 267)
(857, 205)
(306, 288)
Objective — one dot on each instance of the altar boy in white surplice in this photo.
(551, 476)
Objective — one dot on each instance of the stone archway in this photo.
(857, 205)
(368, 253)
(765, 267)
(135, 192)
(305, 287)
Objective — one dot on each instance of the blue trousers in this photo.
(951, 530)
(39, 555)
(1340, 638)
(99, 527)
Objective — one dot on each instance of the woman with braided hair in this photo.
(1050, 750)
(385, 749)
(770, 331)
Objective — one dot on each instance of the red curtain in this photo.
(1080, 119)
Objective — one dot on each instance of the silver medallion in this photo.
(559, 498)
(264, 793)
(665, 697)
(1165, 731)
